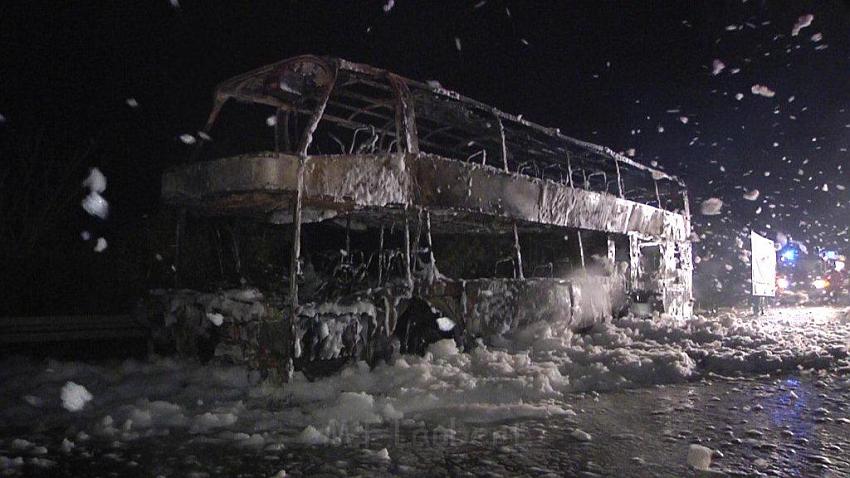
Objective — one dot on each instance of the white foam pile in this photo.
(699, 457)
(528, 378)
(74, 397)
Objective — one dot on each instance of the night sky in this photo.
(622, 74)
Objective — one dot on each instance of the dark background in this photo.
(608, 72)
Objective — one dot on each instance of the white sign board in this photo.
(764, 265)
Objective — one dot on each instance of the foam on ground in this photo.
(528, 375)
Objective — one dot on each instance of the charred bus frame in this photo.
(427, 161)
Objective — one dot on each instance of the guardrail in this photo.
(67, 328)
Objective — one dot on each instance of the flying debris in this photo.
(717, 66)
(802, 22)
(101, 245)
(762, 90)
(174, 3)
(95, 181)
(187, 138)
(271, 120)
(711, 207)
(683, 119)
(132, 103)
(388, 6)
(817, 37)
(85, 235)
(739, 96)
(751, 195)
(457, 44)
(94, 203)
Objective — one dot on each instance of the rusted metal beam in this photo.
(343, 92)
(178, 238)
(581, 248)
(407, 260)
(348, 238)
(431, 260)
(359, 111)
(404, 110)
(518, 255)
(294, 272)
(619, 178)
(381, 258)
(295, 258)
(686, 206)
(502, 143)
(657, 194)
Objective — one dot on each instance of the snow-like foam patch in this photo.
(74, 397)
(311, 436)
(529, 374)
(208, 421)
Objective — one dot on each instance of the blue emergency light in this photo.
(789, 254)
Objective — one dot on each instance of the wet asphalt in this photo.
(794, 425)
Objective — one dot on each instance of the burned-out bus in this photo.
(383, 213)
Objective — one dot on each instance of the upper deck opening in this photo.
(320, 105)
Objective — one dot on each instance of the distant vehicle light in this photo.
(789, 255)
(783, 283)
(820, 283)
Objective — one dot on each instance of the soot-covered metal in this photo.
(397, 203)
